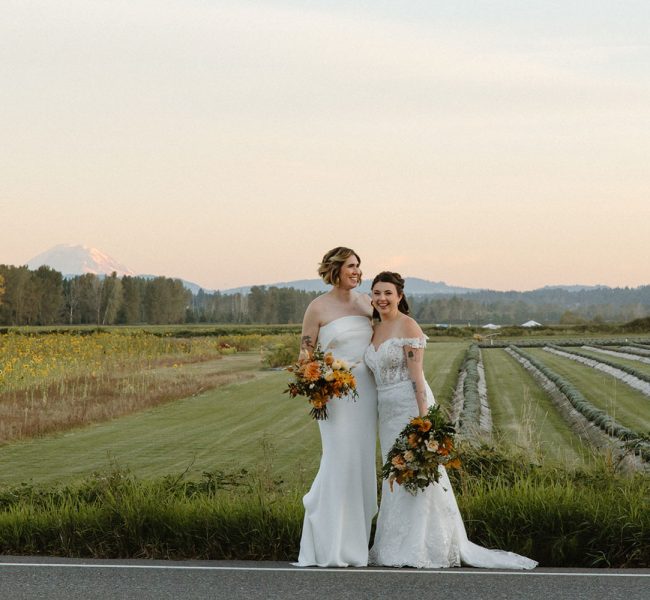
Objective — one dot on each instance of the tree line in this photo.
(45, 297)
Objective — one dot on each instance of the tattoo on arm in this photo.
(306, 342)
(410, 354)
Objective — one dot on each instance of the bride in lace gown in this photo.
(425, 530)
(342, 501)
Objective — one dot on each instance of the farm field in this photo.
(235, 415)
(220, 472)
(228, 428)
(624, 404)
(523, 415)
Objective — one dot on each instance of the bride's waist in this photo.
(390, 385)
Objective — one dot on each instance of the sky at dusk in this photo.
(495, 144)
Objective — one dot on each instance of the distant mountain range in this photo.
(413, 285)
(72, 260)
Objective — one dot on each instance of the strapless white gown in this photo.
(425, 530)
(342, 501)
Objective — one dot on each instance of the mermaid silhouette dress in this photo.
(342, 501)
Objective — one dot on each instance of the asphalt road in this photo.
(23, 578)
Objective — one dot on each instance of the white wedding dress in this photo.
(342, 501)
(425, 530)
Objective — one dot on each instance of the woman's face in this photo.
(350, 273)
(385, 298)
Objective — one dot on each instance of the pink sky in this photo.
(234, 144)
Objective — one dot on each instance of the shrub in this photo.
(282, 352)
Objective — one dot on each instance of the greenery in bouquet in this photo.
(321, 378)
(421, 447)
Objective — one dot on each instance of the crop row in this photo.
(620, 352)
(588, 410)
(541, 342)
(636, 349)
(641, 346)
(475, 418)
(470, 414)
(627, 369)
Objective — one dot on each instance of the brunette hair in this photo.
(330, 267)
(397, 280)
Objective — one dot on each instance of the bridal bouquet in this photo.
(320, 378)
(422, 446)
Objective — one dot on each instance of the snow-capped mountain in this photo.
(69, 259)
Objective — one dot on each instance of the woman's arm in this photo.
(309, 334)
(415, 364)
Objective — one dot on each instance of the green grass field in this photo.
(231, 427)
(523, 414)
(236, 426)
(624, 404)
(441, 363)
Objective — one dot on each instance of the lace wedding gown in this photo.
(425, 530)
(342, 500)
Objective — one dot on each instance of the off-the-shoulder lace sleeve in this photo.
(414, 342)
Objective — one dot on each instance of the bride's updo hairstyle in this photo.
(397, 280)
(330, 267)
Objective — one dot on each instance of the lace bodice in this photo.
(388, 362)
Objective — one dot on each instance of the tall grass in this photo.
(591, 517)
(55, 382)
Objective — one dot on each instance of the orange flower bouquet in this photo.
(421, 447)
(320, 378)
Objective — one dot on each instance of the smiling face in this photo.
(385, 298)
(350, 273)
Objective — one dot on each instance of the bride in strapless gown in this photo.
(342, 501)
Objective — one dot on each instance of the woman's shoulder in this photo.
(363, 299)
(409, 328)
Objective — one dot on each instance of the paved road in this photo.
(28, 578)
